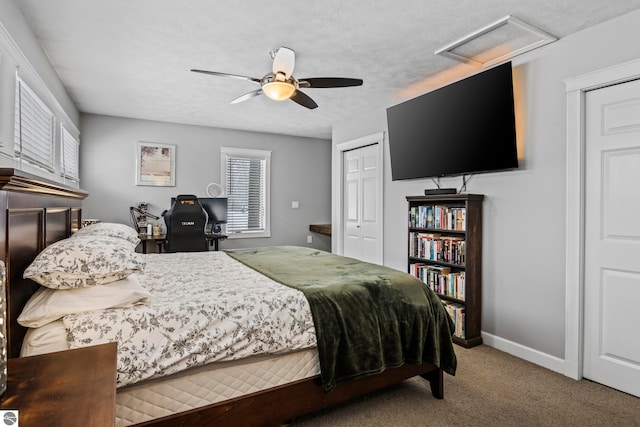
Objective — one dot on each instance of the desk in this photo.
(66, 388)
(212, 238)
(144, 238)
(321, 228)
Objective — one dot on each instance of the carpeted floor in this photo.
(490, 388)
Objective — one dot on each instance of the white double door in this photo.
(362, 204)
(612, 237)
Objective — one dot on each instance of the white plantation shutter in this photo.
(34, 128)
(247, 185)
(68, 155)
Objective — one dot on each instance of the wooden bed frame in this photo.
(37, 212)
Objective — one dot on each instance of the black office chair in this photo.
(186, 222)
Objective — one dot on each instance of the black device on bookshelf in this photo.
(463, 128)
(445, 252)
(437, 191)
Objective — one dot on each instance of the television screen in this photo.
(463, 128)
(216, 208)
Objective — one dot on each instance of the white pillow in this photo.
(47, 305)
(110, 229)
(45, 339)
(84, 261)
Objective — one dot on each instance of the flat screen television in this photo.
(216, 208)
(464, 128)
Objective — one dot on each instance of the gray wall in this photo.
(19, 48)
(524, 210)
(300, 170)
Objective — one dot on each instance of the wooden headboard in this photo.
(35, 212)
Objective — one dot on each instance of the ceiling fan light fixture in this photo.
(280, 84)
(278, 91)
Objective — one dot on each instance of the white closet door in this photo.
(612, 237)
(361, 221)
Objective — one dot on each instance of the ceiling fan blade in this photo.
(318, 82)
(234, 76)
(284, 61)
(247, 95)
(304, 100)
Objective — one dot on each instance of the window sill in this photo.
(248, 235)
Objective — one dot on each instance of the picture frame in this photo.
(155, 164)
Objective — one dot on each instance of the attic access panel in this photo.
(497, 42)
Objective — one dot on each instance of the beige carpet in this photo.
(491, 388)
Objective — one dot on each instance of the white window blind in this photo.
(69, 155)
(34, 128)
(246, 180)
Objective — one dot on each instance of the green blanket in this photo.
(367, 317)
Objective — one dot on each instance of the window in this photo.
(68, 155)
(34, 128)
(46, 143)
(245, 176)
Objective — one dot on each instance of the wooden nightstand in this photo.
(67, 388)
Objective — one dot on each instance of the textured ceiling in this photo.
(131, 58)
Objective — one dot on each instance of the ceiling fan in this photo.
(280, 84)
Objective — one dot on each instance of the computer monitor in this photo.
(216, 208)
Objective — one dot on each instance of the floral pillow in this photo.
(109, 229)
(77, 262)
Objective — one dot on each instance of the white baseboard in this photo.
(530, 355)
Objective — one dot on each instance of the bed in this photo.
(279, 384)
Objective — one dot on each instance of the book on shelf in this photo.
(421, 217)
(437, 247)
(423, 245)
(437, 278)
(464, 219)
(440, 279)
(458, 315)
(438, 217)
(460, 286)
(453, 249)
(429, 215)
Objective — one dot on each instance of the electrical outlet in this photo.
(295, 204)
(309, 238)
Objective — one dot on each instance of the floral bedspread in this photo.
(207, 307)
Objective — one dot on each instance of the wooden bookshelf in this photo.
(445, 251)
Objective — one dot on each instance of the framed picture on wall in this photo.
(155, 164)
